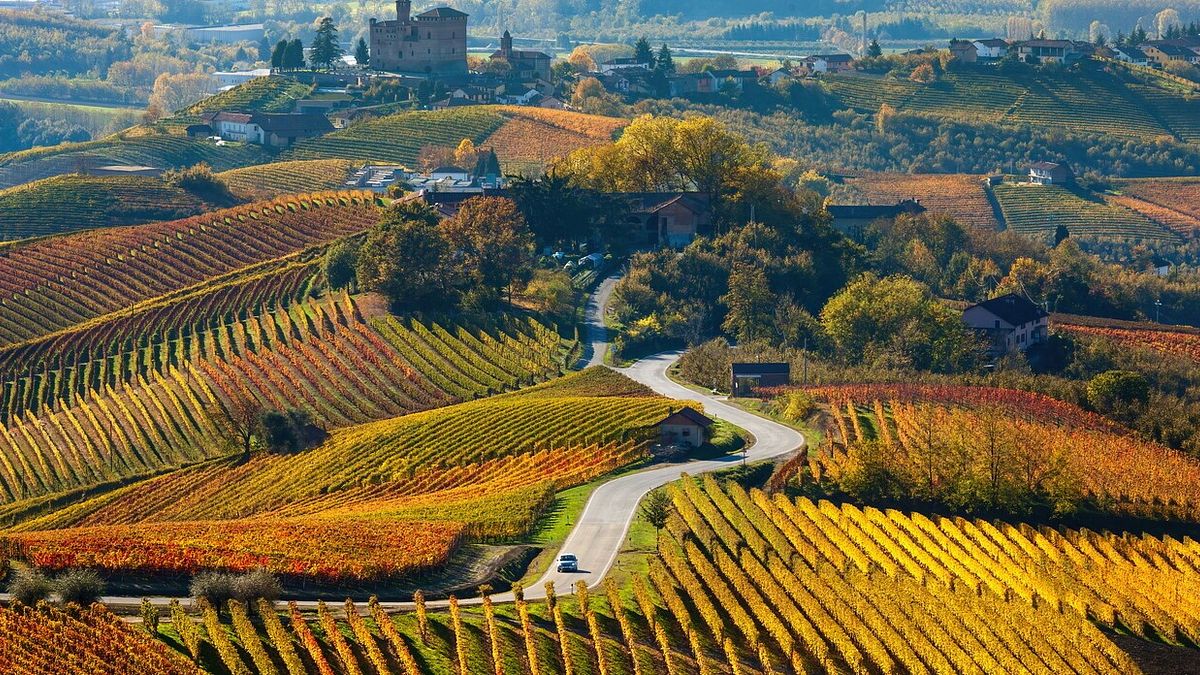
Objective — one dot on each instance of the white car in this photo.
(567, 562)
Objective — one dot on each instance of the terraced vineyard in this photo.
(1037, 210)
(267, 181)
(1175, 220)
(534, 137)
(960, 196)
(398, 139)
(143, 148)
(1155, 337)
(69, 203)
(170, 403)
(1089, 101)
(273, 93)
(57, 283)
(1066, 453)
(1177, 194)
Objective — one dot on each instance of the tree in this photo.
(491, 243)
(664, 62)
(874, 50)
(325, 46)
(643, 53)
(279, 55)
(465, 155)
(293, 56)
(243, 412)
(82, 587)
(28, 586)
(362, 54)
(1120, 393)
(1061, 234)
(404, 258)
(175, 91)
(656, 509)
(751, 303)
(339, 264)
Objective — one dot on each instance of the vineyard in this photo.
(68, 203)
(1090, 101)
(267, 181)
(168, 402)
(1038, 209)
(57, 283)
(534, 137)
(47, 641)
(483, 470)
(961, 196)
(941, 444)
(1171, 343)
(262, 94)
(1177, 194)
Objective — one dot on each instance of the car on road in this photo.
(567, 562)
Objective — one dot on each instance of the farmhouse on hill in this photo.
(433, 42)
(277, 130)
(1009, 323)
(685, 427)
(1050, 173)
(744, 378)
(670, 218)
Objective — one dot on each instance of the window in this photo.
(687, 432)
(997, 323)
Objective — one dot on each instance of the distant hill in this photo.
(40, 43)
(75, 202)
(1093, 98)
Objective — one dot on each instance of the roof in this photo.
(830, 57)
(1174, 50)
(449, 169)
(227, 116)
(650, 202)
(992, 42)
(1131, 52)
(1045, 166)
(734, 73)
(872, 211)
(284, 122)
(1047, 43)
(745, 369)
(687, 415)
(520, 54)
(1012, 308)
(442, 13)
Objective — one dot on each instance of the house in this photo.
(233, 78)
(744, 378)
(526, 64)
(739, 78)
(963, 51)
(827, 63)
(778, 75)
(1131, 55)
(248, 32)
(685, 427)
(990, 50)
(1048, 51)
(623, 62)
(433, 42)
(855, 217)
(669, 218)
(1009, 323)
(1050, 173)
(277, 130)
(552, 103)
(1162, 52)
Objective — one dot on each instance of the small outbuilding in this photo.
(744, 378)
(687, 426)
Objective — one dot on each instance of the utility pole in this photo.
(804, 367)
(1157, 310)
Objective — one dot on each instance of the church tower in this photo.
(506, 45)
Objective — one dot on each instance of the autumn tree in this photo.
(750, 302)
(491, 244)
(243, 411)
(175, 91)
(404, 258)
(465, 155)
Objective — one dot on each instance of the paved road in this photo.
(600, 532)
(596, 341)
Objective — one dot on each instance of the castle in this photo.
(433, 42)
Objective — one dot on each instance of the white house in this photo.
(1131, 55)
(1009, 323)
(827, 63)
(248, 32)
(1050, 173)
(991, 49)
(278, 130)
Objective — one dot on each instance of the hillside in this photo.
(267, 181)
(1173, 201)
(40, 43)
(76, 202)
(1097, 98)
(960, 196)
(1036, 210)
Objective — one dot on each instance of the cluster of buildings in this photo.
(276, 130)
(1153, 53)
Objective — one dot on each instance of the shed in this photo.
(199, 131)
(687, 426)
(744, 378)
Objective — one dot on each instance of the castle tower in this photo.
(506, 44)
(403, 11)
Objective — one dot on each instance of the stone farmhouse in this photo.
(1008, 323)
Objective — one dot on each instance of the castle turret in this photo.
(403, 10)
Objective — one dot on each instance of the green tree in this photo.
(293, 56)
(279, 54)
(325, 46)
(897, 320)
(664, 62)
(362, 54)
(1119, 393)
(491, 243)
(642, 52)
(751, 303)
(656, 510)
(339, 264)
(874, 50)
(404, 258)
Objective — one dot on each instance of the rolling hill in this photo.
(961, 196)
(1037, 210)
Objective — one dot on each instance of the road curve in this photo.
(595, 346)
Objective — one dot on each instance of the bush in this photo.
(257, 584)
(215, 587)
(82, 587)
(340, 262)
(28, 586)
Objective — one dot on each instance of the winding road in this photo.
(600, 532)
